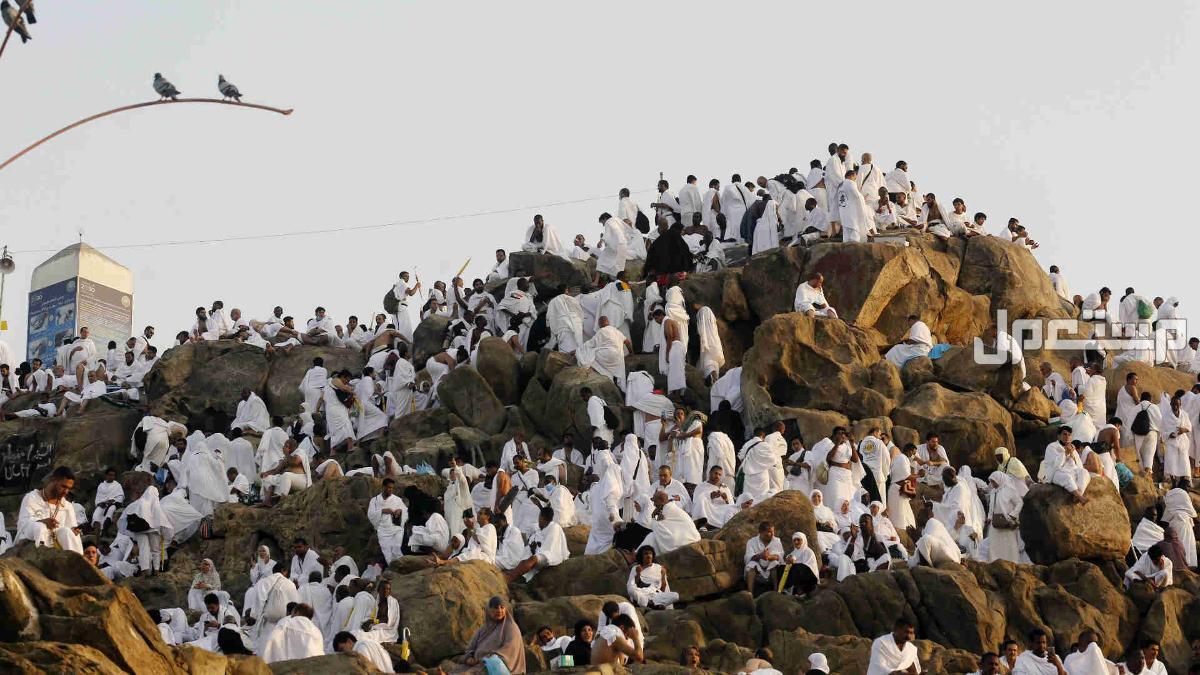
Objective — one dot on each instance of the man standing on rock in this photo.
(387, 514)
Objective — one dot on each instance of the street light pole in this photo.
(6, 267)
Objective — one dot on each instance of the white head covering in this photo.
(803, 555)
(149, 509)
(817, 661)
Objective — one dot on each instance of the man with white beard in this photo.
(564, 318)
(689, 201)
(712, 503)
(855, 217)
(735, 199)
(402, 291)
(614, 247)
(870, 179)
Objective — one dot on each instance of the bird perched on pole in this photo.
(29, 13)
(227, 89)
(161, 86)
(12, 17)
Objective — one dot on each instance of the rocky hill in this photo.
(811, 373)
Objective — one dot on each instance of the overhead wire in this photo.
(335, 230)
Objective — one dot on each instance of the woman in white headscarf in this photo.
(158, 531)
(935, 546)
(1180, 514)
(973, 484)
(712, 355)
(337, 415)
(1004, 537)
(675, 309)
(263, 565)
(885, 530)
(205, 581)
(802, 572)
(635, 473)
(826, 522)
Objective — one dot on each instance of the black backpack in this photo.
(641, 222)
(1141, 423)
(610, 418)
(135, 523)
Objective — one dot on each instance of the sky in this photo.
(414, 110)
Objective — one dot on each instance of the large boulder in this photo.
(600, 574)
(202, 382)
(804, 362)
(789, 511)
(1010, 275)
(1055, 528)
(466, 394)
(405, 430)
(548, 272)
(58, 606)
(429, 338)
(561, 614)
(287, 369)
(958, 369)
(444, 606)
(566, 412)
(89, 443)
(953, 610)
(702, 569)
(1173, 619)
(971, 425)
(498, 365)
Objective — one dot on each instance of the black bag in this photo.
(1141, 423)
(136, 523)
(641, 222)
(610, 418)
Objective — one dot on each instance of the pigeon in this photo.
(227, 89)
(12, 17)
(29, 13)
(164, 88)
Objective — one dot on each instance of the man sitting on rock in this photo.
(547, 547)
(1063, 467)
(670, 526)
(764, 553)
(810, 298)
(1154, 569)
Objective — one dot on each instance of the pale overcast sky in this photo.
(1044, 111)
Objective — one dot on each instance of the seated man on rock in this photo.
(1154, 569)
(547, 547)
(810, 298)
(1063, 467)
(764, 553)
(670, 526)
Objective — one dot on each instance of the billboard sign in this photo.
(107, 312)
(51, 317)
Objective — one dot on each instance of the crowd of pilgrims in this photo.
(647, 490)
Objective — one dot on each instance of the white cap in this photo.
(817, 661)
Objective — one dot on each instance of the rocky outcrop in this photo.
(202, 382)
(444, 606)
(1055, 528)
(61, 615)
(465, 393)
(970, 424)
(801, 362)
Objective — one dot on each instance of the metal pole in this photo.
(3, 277)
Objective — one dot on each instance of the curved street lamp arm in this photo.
(92, 118)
